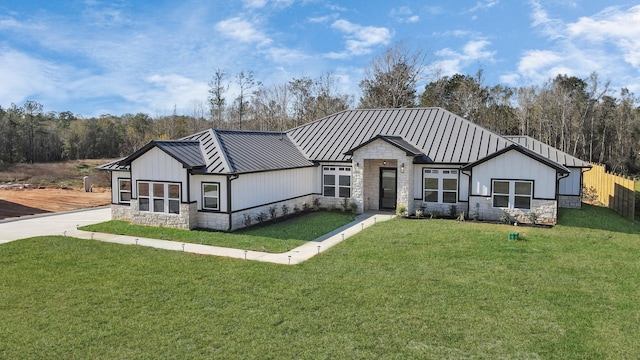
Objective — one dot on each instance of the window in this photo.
(159, 197)
(211, 196)
(336, 181)
(440, 186)
(124, 190)
(143, 196)
(512, 194)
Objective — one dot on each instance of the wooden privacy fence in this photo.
(614, 191)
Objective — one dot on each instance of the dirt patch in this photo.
(17, 201)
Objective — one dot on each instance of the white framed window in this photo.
(440, 186)
(159, 197)
(124, 191)
(512, 194)
(143, 196)
(336, 181)
(211, 196)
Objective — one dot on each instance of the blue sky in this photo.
(94, 57)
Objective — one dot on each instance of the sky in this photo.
(94, 57)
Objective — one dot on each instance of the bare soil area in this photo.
(20, 200)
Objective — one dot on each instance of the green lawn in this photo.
(277, 237)
(402, 289)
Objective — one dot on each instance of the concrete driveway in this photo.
(51, 224)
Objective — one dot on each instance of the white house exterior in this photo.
(423, 158)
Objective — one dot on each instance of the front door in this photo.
(388, 187)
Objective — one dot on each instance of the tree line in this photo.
(584, 117)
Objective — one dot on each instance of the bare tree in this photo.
(391, 78)
(245, 81)
(217, 90)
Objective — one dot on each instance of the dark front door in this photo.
(388, 187)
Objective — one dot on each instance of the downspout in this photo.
(189, 186)
(229, 179)
(468, 192)
(558, 193)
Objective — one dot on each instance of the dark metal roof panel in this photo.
(253, 151)
(187, 152)
(434, 131)
(548, 151)
(214, 156)
(113, 166)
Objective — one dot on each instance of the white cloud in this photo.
(323, 19)
(620, 28)
(255, 4)
(242, 30)
(172, 89)
(285, 55)
(607, 42)
(359, 39)
(481, 5)
(23, 77)
(454, 62)
(404, 14)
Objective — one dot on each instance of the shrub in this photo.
(285, 210)
(419, 213)
(590, 194)
(246, 219)
(305, 207)
(296, 209)
(262, 217)
(453, 211)
(505, 217)
(532, 216)
(344, 206)
(273, 212)
(434, 214)
(401, 210)
(353, 207)
(316, 204)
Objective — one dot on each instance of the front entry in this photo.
(388, 186)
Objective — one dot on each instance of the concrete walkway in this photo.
(66, 224)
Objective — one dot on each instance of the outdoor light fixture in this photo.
(402, 168)
(384, 162)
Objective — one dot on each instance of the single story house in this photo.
(378, 159)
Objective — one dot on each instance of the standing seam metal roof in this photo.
(252, 151)
(548, 151)
(441, 135)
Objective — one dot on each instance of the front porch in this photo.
(382, 176)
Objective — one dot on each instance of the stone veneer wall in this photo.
(238, 217)
(366, 177)
(213, 220)
(546, 210)
(443, 209)
(570, 201)
(120, 212)
(187, 219)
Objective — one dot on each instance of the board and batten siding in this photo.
(251, 190)
(156, 165)
(115, 187)
(571, 185)
(514, 165)
(418, 183)
(196, 189)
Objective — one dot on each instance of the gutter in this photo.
(230, 178)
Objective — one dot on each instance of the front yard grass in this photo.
(276, 237)
(402, 289)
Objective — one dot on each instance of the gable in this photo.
(514, 165)
(185, 152)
